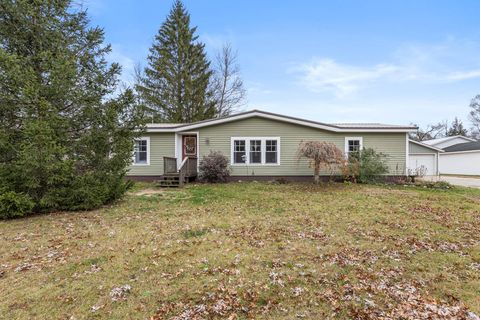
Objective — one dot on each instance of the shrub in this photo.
(13, 205)
(365, 166)
(214, 168)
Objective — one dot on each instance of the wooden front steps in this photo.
(169, 181)
(173, 181)
(178, 178)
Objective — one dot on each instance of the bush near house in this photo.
(214, 168)
(365, 166)
(13, 205)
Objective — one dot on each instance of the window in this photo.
(271, 151)
(255, 151)
(353, 144)
(239, 152)
(141, 151)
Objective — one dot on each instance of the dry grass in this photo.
(249, 250)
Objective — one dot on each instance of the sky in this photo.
(398, 62)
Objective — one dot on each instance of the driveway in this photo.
(458, 181)
(462, 181)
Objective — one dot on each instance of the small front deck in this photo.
(173, 177)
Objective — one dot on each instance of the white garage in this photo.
(427, 161)
(461, 159)
(423, 158)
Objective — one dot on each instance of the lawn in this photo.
(250, 250)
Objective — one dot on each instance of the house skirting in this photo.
(388, 179)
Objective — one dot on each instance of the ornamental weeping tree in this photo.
(320, 154)
(65, 130)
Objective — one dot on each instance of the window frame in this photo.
(247, 151)
(348, 139)
(147, 139)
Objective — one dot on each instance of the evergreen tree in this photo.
(175, 84)
(457, 129)
(65, 136)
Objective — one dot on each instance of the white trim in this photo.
(247, 151)
(458, 152)
(256, 113)
(425, 145)
(347, 139)
(148, 152)
(407, 153)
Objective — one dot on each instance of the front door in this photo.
(189, 149)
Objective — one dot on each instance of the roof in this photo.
(165, 125)
(343, 127)
(425, 145)
(368, 125)
(440, 140)
(468, 146)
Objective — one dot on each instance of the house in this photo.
(442, 143)
(424, 159)
(461, 159)
(259, 145)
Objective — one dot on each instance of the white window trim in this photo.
(247, 151)
(347, 139)
(148, 152)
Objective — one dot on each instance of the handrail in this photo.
(188, 168)
(183, 163)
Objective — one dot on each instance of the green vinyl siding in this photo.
(218, 138)
(161, 145)
(416, 148)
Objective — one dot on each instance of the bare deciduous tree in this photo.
(227, 85)
(474, 117)
(320, 154)
(431, 131)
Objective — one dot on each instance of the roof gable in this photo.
(360, 127)
(433, 142)
(425, 145)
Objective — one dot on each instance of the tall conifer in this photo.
(65, 135)
(175, 84)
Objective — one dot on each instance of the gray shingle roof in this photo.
(468, 146)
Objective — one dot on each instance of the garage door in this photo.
(427, 161)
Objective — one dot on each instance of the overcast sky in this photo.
(332, 61)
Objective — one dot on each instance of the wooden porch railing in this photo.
(169, 165)
(188, 168)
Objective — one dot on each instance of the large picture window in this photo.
(255, 150)
(141, 151)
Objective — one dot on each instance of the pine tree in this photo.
(65, 136)
(175, 84)
(457, 129)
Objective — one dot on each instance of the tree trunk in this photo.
(317, 173)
